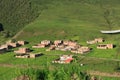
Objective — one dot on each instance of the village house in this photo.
(65, 42)
(81, 50)
(5, 46)
(63, 48)
(14, 45)
(99, 40)
(69, 43)
(52, 47)
(64, 59)
(72, 43)
(91, 42)
(58, 42)
(39, 46)
(43, 44)
(46, 42)
(27, 55)
(68, 48)
(105, 46)
(22, 50)
(34, 55)
(22, 55)
(60, 47)
(96, 40)
(21, 42)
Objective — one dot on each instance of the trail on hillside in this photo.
(19, 66)
(98, 73)
(18, 34)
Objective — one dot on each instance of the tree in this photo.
(6, 34)
(1, 27)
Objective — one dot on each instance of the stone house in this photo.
(99, 40)
(65, 43)
(96, 40)
(22, 55)
(52, 47)
(72, 43)
(27, 55)
(91, 42)
(58, 42)
(46, 42)
(14, 45)
(5, 46)
(64, 59)
(31, 55)
(59, 47)
(105, 46)
(69, 43)
(21, 42)
(39, 46)
(81, 50)
(22, 50)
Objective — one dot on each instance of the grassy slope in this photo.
(71, 19)
(16, 13)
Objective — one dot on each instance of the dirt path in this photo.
(18, 34)
(19, 66)
(12, 65)
(100, 58)
(98, 73)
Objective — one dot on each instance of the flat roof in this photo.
(110, 31)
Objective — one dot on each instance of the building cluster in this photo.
(62, 45)
(67, 45)
(64, 59)
(96, 40)
(101, 46)
(9, 45)
(25, 53)
(42, 44)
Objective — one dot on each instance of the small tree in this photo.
(1, 27)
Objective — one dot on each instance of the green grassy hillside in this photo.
(15, 14)
(74, 19)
